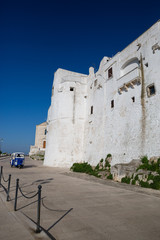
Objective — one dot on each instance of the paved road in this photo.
(102, 210)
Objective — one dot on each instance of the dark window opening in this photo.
(95, 83)
(112, 104)
(133, 99)
(151, 90)
(52, 91)
(91, 109)
(71, 89)
(45, 131)
(110, 73)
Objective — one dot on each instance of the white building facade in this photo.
(40, 139)
(115, 110)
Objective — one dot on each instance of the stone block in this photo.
(153, 159)
(150, 181)
(109, 159)
(155, 174)
(140, 177)
(144, 179)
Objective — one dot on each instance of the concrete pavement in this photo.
(102, 209)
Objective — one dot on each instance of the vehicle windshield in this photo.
(20, 155)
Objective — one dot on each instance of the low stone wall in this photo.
(124, 170)
(39, 155)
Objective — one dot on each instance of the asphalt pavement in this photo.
(75, 206)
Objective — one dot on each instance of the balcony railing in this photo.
(129, 77)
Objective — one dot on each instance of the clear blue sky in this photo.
(39, 36)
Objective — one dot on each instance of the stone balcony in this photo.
(129, 79)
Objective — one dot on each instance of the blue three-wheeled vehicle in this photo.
(17, 159)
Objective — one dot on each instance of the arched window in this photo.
(129, 65)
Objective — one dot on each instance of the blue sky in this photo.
(37, 37)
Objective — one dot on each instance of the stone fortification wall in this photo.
(115, 110)
(66, 119)
(40, 139)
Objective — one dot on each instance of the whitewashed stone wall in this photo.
(108, 114)
(66, 119)
(40, 139)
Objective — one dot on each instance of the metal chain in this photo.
(4, 179)
(27, 196)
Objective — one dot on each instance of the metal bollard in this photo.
(1, 174)
(9, 181)
(38, 230)
(16, 194)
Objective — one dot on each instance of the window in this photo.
(95, 83)
(44, 144)
(112, 104)
(52, 91)
(129, 65)
(45, 131)
(71, 89)
(133, 99)
(110, 73)
(91, 109)
(151, 90)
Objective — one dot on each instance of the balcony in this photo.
(129, 80)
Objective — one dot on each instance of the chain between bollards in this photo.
(38, 230)
(16, 195)
(9, 182)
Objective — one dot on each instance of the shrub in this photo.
(156, 182)
(144, 184)
(94, 173)
(136, 177)
(107, 164)
(149, 166)
(133, 182)
(110, 176)
(97, 167)
(101, 160)
(126, 180)
(82, 167)
(144, 160)
(150, 177)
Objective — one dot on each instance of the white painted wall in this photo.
(40, 138)
(66, 120)
(127, 131)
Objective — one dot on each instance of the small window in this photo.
(71, 89)
(151, 90)
(91, 109)
(52, 91)
(44, 144)
(110, 73)
(133, 99)
(95, 83)
(45, 131)
(112, 104)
